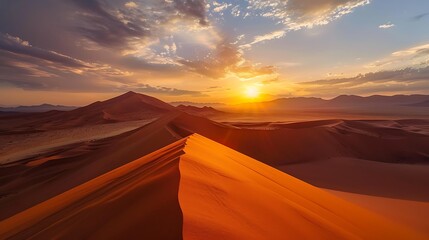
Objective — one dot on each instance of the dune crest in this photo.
(222, 194)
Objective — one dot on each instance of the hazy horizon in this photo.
(112, 95)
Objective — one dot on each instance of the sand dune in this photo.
(289, 143)
(30, 181)
(126, 107)
(410, 213)
(20, 146)
(138, 200)
(335, 154)
(199, 190)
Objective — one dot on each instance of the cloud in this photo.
(405, 71)
(298, 14)
(131, 5)
(192, 8)
(220, 7)
(386, 25)
(216, 65)
(226, 59)
(414, 56)
(26, 66)
(132, 26)
(21, 54)
(18, 46)
(269, 36)
(420, 16)
(408, 80)
(146, 88)
(102, 26)
(31, 68)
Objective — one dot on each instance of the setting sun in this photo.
(252, 92)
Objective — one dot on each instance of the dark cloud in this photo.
(102, 27)
(124, 28)
(195, 8)
(21, 57)
(98, 36)
(20, 66)
(18, 46)
(32, 68)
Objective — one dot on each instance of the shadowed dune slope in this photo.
(382, 158)
(31, 181)
(290, 143)
(222, 194)
(138, 200)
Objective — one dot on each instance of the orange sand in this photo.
(222, 194)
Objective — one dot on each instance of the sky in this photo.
(74, 52)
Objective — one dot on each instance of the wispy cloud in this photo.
(412, 57)
(386, 25)
(16, 45)
(408, 80)
(420, 16)
(299, 14)
(269, 36)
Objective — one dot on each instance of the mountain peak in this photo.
(131, 93)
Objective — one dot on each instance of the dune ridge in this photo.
(199, 189)
(340, 157)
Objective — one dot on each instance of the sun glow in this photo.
(252, 92)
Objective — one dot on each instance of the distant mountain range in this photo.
(37, 108)
(199, 111)
(195, 104)
(340, 102)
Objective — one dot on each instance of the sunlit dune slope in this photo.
(227, 195)
(198, 189)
